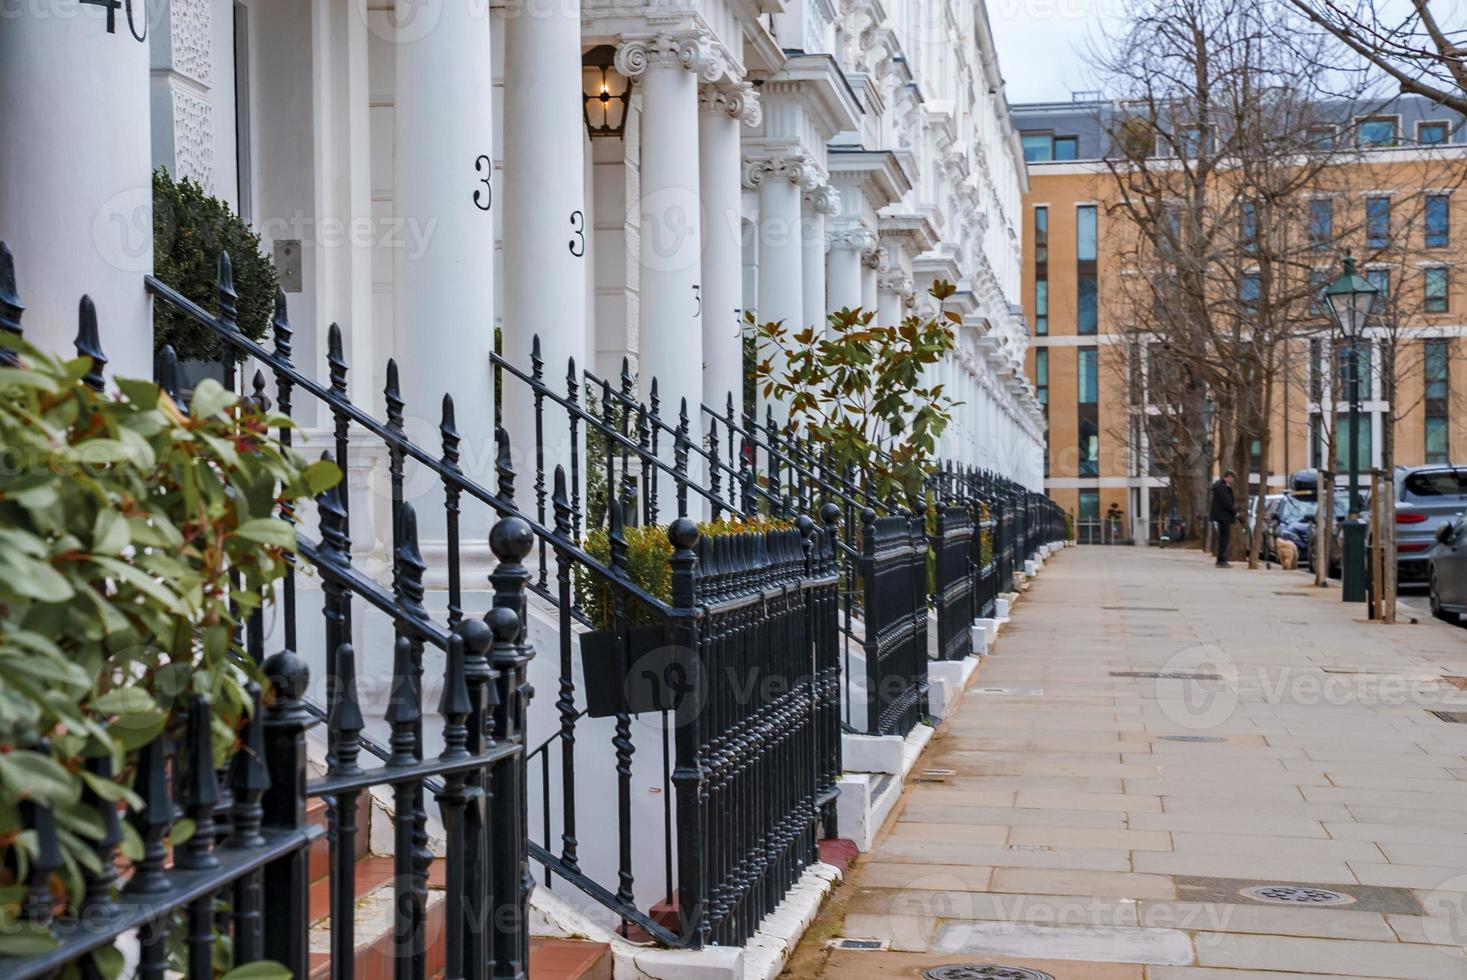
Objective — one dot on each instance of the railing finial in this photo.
(89, 343)
(11, 307)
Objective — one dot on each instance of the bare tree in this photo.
(1422, 49)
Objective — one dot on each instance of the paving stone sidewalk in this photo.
(1280, 803)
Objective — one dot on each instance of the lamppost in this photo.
(1350, 299)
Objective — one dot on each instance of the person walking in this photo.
(1223, 513)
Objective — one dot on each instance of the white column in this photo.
(444, 297)
(823, 202)
(869, 263)
(76, 195)
(781, 259)
(843, 266)
(670, 346)
(719, 116)
(546, 227)
(891, 292)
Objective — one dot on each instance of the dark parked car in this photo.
(1426, 497)
(1446, 569)
(1342, 507)
(1288, 516)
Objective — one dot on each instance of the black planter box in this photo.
(654, 677)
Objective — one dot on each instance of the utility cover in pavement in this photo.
(1166, 675)
(1295, 895)
(1192, 738)
(975, 971)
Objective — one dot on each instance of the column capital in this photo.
(692, 51)
(739, 101)
(857, 238)
(795, 168)
(825, 200)
(896, 282)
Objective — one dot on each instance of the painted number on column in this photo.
(484, 196)
(577, 245)
(132, 20)
(697, 301)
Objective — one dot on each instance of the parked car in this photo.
(1426, 497)
(1288, 516)
(1446, 569)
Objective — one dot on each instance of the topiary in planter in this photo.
(190, 229)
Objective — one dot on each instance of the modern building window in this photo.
(1089, 445)
(1342, 370)
(1087, 309)
(1248, 227)
(1066, 147)
(1088, 530)
(1085, 233)
(1190, 142)
(1321, 223)
(1438, 221)
(1381, 280)
(1322, 137)
(1041, 270)
(1041, 376)
(1250, 292)
(1089, 375)
(1318, 281)
(1377, 222)
(1430, 132)
(1038, 147)
(1379, 131)
(1255, 456)
(1437, 368)
(1316, 440)
(1435, 292)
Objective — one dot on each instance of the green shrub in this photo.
(122, 521)
(190, 229)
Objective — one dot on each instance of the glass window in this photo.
(1248, 226)
(1041, 306)
(1436, 439)
(1437, 221)
(1041, 234)
(1088, 304)
(1066, 147)
(1089, 378)
(1189, 141)
(1378, 221)
(1322, 137)
(1038, 147)
(1089, 447)
(1342, 375)
(1342, 442)
(1089, 505)
(1435, 484)
(1431, 133)
(1250, 290)
(1381, 280)
(1316, 374)
(1321, 223)
(1437, 366)
(1436, 289)
(1041, 375)
(1376, 132)
(1085, 231)
(1318, 281)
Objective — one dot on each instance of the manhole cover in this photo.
(976, 971)
(1192, 738)
(869, 945)
(1295, 895)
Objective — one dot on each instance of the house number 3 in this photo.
(132, 25)
(577, 244)
(484, 196)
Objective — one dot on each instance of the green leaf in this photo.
(110, 534)
(258, 970)
(321, 476)
(210, 399)
(143, 394)
(25, 938)
(38, 777)
(267, 531)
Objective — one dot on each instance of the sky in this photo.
(1042, 44)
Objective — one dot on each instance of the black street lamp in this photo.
(1350, 299)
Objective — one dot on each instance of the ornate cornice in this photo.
(692, 51)
(857, 238)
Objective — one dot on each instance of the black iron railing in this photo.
(893, 570)
(251, 837)
(954, 579)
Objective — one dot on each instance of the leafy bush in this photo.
(648, 556)
(858, 388)
(190, 229)
(122, 521)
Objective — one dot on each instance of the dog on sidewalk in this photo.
(1288, 553)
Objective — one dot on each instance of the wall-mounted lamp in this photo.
(607, 92)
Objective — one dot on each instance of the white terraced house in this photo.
(516, 244)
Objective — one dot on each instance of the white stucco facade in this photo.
(432, 168)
